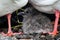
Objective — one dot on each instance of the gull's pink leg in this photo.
(10, 33)
(55, 31)
(9, 25)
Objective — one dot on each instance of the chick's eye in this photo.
(27, 12)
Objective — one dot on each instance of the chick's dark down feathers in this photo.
(36, 23)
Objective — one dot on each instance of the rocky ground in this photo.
(15, 37)
(7, 38)
(26, 37)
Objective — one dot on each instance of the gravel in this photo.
(7, 37)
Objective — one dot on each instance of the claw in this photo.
(3, 33)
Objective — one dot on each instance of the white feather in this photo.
(43, 2)
(9, 6)
(47, 6)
